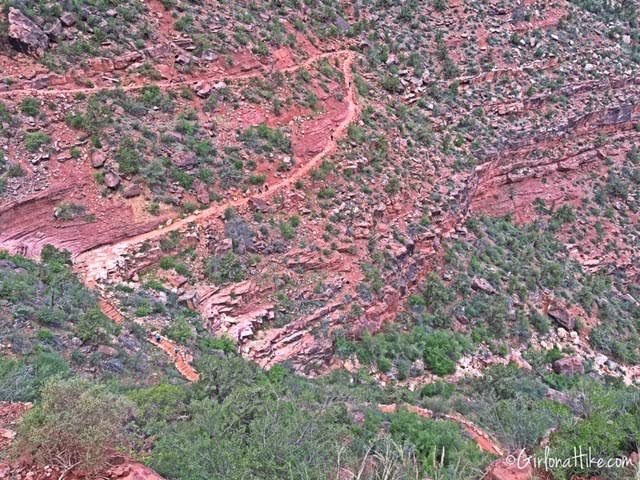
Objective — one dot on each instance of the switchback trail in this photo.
(95, 264)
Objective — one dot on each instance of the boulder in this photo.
(132, 471)
(183, 59)
(479, 283)
(203, 89)
(107, 351)
(25, 35)
(562, 317)
(342, 24)
(97, 159)
(132, 191)
(54, 30)
(258, 204)
(569, 365)
(68, 19)
(209, 56)
(101, 64)
(123, 61)
(111, 180)
(202, 192)
(185, 160)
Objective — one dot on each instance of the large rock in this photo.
(54, 29)
(108, 351)
(132, 191)
(569, 365)
(203, 89)
(482, 284)
(111, 180)
(132, 471)
(202, 192)
(185, 160)
(562, 317)
(68, 19)
(25, 35)
(123, 61)
(97, 158)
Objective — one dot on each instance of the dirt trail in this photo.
(484, 441)
(178, 355)
(95, 264)
(202, 77)
(112, 312)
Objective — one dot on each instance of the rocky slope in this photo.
(308, 180)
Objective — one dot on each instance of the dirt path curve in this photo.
(192, 80)
(180, 357)
(484, 441)
(96, 264)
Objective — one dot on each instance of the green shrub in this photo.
(95, 327)
(75, 425)
(69, 211)
(15, 170)
(214, 343)
(128, 158)
(225, 268)
(22, 380)
(179, 331)
(33, 141)
(609, 425)
(30, 106)
(159, 404)
(441, 352)
(264, 139)
(223, 434)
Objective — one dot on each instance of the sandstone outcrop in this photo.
(569, 365)
(25, 34)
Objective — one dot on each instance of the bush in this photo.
(30, 106)
(609, 425)
(179, 331)
(224, 344)
(33, 141)
(225, 268)
(264, 139)
(69, 211)
(441, 352)
(224, 434)
(95, 327)
(22, 380)
(76, 425)
(128, 157)
(159, 404)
